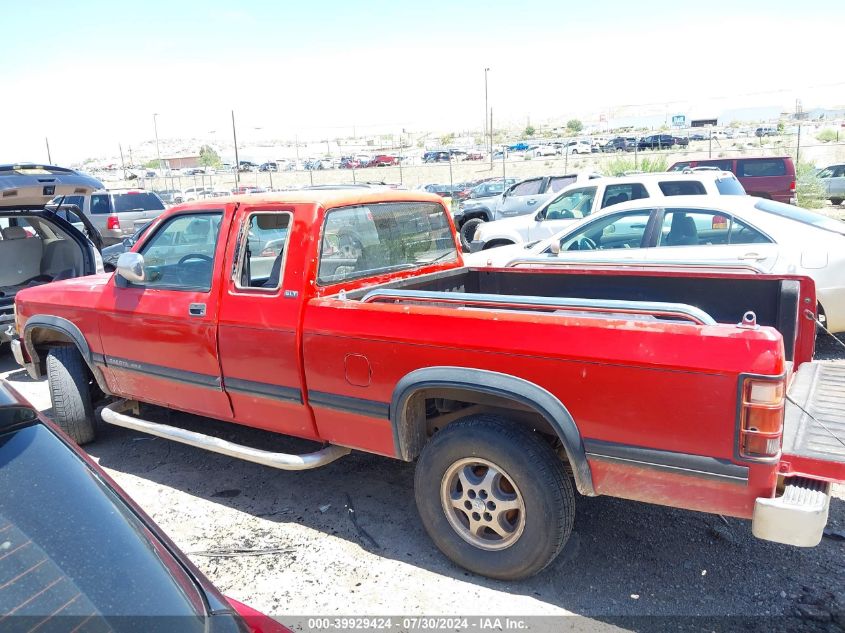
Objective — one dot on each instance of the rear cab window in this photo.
(366, 240)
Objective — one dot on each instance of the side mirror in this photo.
(554, 247)
(130, 266)
(541, 215)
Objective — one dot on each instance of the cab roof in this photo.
(327, 198)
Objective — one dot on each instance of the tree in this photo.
(574, 125)
(529, 131)
(208, 157)
(152, 164)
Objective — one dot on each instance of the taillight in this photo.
(792, 186)
(761, 423)
(269, 252)
(113, 222)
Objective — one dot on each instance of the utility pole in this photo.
(122, 164)
(490, 129)
(486, 110)
(49, 159)
(158, 151)
(237, 160)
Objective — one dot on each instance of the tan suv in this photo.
(117, 213)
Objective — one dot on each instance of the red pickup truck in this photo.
(347, 317)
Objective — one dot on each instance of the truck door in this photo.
(160, 336)
(259, 320)
(522, 198)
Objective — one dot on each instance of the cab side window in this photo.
(571, 205)
(690, 227)
(614, 194)
(263, 245)
(527, 188)
(180, 255)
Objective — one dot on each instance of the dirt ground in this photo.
(286, 544)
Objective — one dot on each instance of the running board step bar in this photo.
(114, 414)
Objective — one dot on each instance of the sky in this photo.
(89, 75)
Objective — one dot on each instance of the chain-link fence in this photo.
(806, 150)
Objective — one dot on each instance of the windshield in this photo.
(801, 215)
(144, 201)
(75, 551)
(374, 239)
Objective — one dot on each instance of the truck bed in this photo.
(726, 298)
(817, 391)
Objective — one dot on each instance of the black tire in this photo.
(468, 230)
(538, 476)
(836, 201)
(70, 392)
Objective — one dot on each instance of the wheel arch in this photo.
(409, 431)
(41, 330)
(479, 213)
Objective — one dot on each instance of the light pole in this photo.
(237, 161)
(486, 70)
(486, 115)
(158, 151)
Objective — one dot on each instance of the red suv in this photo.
(771, 177)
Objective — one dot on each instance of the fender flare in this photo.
(407, 445)
(68, 329)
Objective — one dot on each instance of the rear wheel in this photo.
(494, 497)
(468, 231)
(836, 201)
(70, 393)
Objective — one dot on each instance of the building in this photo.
(181, 162)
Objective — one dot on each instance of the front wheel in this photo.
(70, 393)
(468, 231)
(494, 497)
(836, 201)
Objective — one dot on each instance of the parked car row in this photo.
(584, 198)
(744, 231)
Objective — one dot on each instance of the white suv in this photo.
(581, 199)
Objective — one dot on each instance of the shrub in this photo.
(808, 187)
(827, 135)
(620, 165)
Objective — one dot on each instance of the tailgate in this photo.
(814, 424)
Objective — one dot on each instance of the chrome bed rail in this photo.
(513, 302)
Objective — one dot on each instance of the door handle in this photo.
(196, 309)
(753, 256)
(532, 201)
